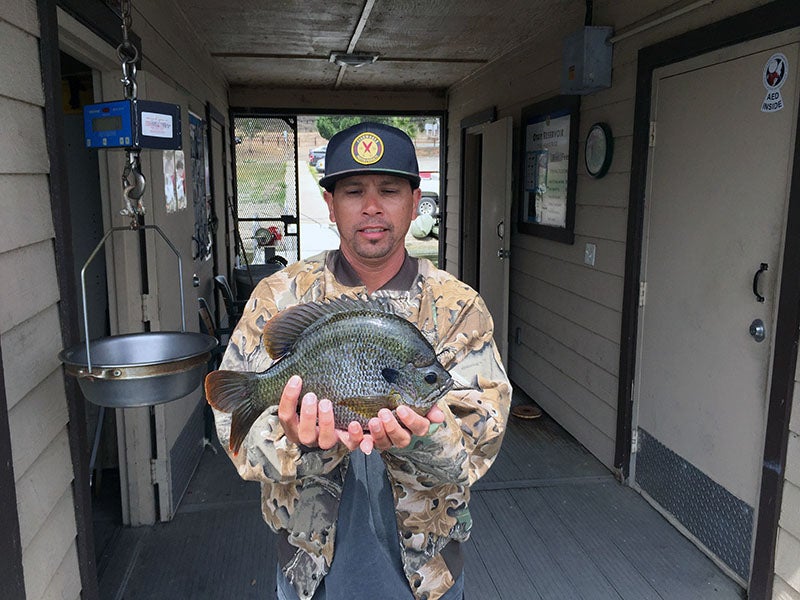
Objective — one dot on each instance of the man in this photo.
(354, 523)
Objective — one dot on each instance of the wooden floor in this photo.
(550, 522)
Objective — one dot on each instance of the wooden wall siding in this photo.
(65, 584)
(569, 314)
(787, 575)
(23, 150)
(176, 54)
(25, 202)
(37, 409)
(32, 271)
(21, 15)
(10, 541)
(24, 361)
(42, 486)
(23, 46)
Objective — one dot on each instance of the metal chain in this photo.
(133, 181)
(127, 19)
(127, 52)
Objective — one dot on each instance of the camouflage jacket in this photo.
(430, 478)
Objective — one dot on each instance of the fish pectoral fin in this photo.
(366, 406)
(394, 400)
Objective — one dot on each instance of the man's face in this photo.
(373, 214)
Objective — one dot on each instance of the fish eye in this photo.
(431, 377)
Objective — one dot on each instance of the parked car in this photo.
(429, 181)
(315, 154)
(320, 166)
(428, 204)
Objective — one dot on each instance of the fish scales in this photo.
(339, 362)
(357, 354)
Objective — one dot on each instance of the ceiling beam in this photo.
(384, 59)
(362, 22)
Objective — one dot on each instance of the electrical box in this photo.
(586, 61)
(132, 124)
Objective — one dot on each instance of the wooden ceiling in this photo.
(422, 44)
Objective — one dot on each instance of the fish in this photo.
(355, 352)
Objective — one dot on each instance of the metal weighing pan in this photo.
(138, 369)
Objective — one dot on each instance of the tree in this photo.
(330, 125)
(249, 128)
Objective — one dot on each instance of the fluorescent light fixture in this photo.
(345, 59)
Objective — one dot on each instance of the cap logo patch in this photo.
(367, 148)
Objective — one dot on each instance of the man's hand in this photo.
(387, 432)
(315, 427)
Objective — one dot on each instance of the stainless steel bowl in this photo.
(140, 369)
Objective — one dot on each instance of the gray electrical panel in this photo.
(586, 61)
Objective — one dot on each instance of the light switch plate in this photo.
(589, 254)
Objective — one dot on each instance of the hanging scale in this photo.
(132, 124)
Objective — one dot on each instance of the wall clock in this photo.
(599, 149)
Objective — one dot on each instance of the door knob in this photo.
(757, 330)
(503, 254)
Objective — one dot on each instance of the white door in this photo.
(175, 427)
(718, 177)
(495, 226)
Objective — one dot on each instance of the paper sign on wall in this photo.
(775, 73)
(174, 180)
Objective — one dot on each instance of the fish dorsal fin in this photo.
(282, 330)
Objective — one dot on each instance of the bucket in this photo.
(243, 286)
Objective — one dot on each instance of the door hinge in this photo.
(642, 292)
(149, 307)
(159, 471)
(634, 441)
(652, 136)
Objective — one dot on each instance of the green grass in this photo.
(261, 185)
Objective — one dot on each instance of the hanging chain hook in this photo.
(133, 181)
(127, 53)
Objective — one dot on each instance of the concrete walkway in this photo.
(317, 233)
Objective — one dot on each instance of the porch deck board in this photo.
(583, 536)
(507, 573)
(673, 566)
(212, 554)
(534, 562)
(550, 522)
(479, 579)
(540, 449)
(567, 550)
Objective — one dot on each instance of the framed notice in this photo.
(548, 169)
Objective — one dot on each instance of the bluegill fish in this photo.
(357, 353)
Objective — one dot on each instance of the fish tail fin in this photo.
(232, 392)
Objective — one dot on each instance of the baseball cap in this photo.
(370, 148)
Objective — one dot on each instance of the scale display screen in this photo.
(132, 124)
(107, 124)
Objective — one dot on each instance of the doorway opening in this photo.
(280, 213)
(471, 209)
(83, 174)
